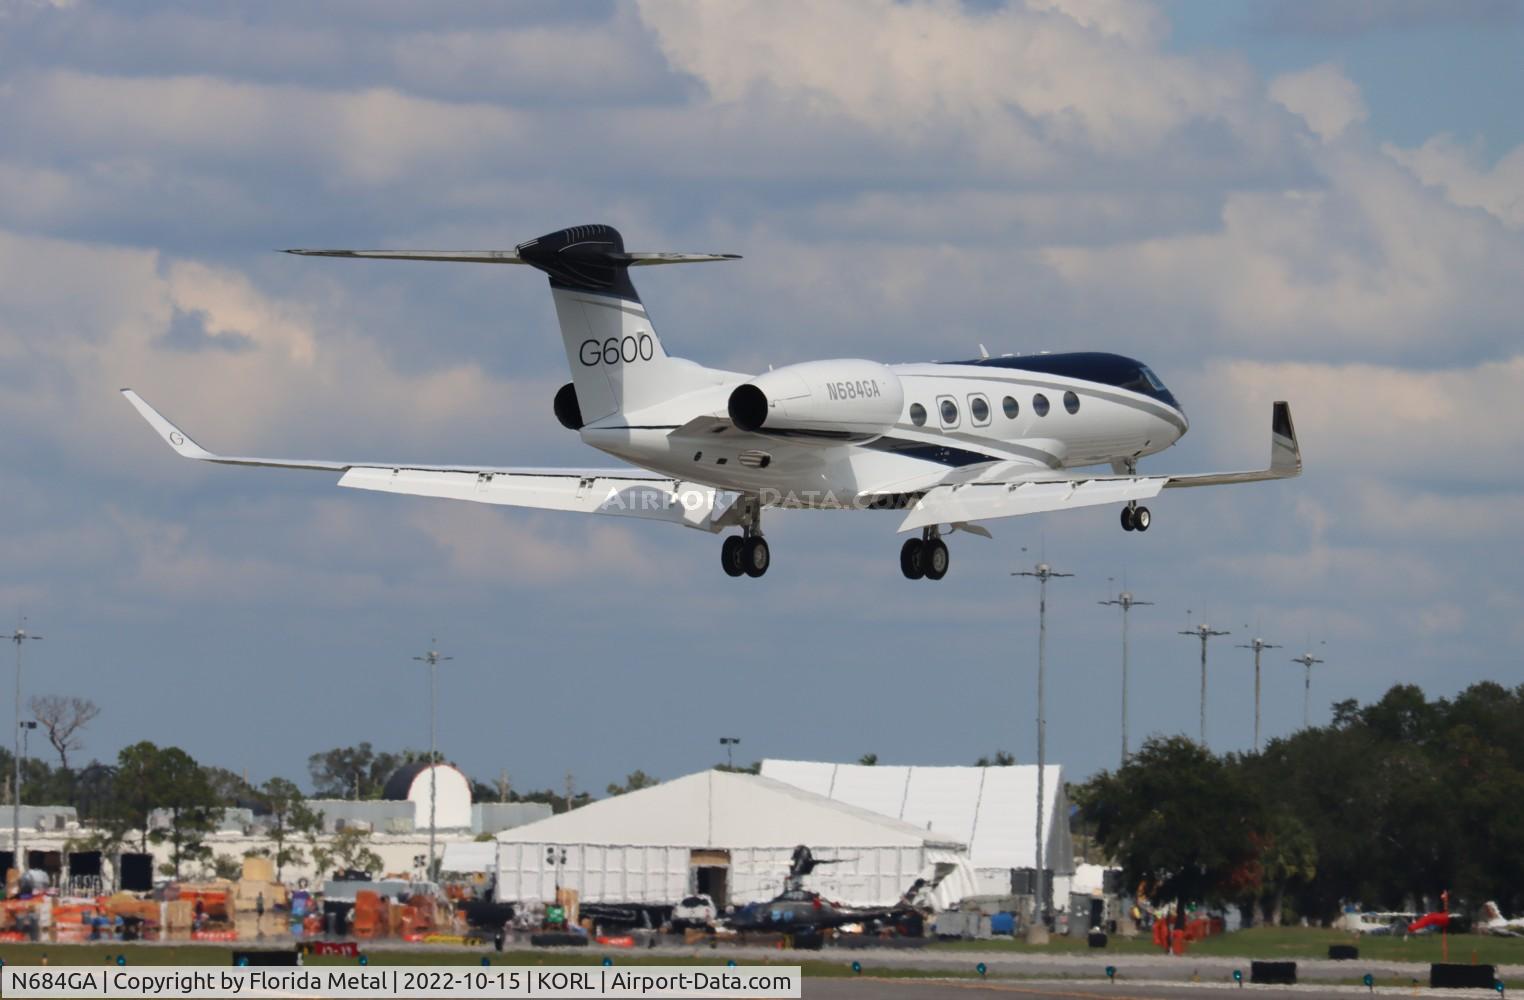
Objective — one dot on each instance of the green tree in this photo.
(226, 866)
(350, 850)
(194, 808)
(1178, 821)
(358, 772)
(1001, 759)
(634, 781)
(868, 759)
(134, 789)
(148, 778)
(288, 814)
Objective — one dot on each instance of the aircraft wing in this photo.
(626, 492)
(1032, 492)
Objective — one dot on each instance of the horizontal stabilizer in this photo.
(639, 258)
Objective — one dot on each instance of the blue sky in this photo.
(1261, 203)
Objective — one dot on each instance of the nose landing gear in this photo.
(926, 556)
(1135, 518)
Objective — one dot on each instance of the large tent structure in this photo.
(729, 835)
(991, 809)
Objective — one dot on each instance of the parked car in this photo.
(694, 911)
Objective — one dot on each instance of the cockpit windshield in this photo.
(1092, 366)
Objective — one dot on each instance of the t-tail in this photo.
(617, 360)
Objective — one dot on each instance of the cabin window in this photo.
(979, 409)
(1071, 402)
(1040, 405)
(949, 411)
(918, 414)
(1011, 407)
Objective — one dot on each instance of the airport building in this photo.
(991, 809)
(730, 836)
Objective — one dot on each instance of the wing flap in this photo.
(687, 504)
(984, 501)
(1008, 492)
(624, 492)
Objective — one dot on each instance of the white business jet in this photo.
(950, 444)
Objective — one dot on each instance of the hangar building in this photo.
(728, 835)
(991, 809)
(452, 801)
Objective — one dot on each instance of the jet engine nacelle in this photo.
(844, 400)
(568, 410)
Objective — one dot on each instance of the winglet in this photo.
(1285, 453)
(174, 436)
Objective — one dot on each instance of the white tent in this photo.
(468, 856)
(730, 835)
(992, 809)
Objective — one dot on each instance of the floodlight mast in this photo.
(1204, 632)
(20, 637)
(1306, 660)
(1042, 573)
(727, 742)
(433, 659)
(1259, 646)
(1126, 602)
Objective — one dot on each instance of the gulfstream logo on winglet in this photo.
(862, 389)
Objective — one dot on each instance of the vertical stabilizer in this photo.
(616, 358)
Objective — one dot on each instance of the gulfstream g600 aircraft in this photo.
(950, 444)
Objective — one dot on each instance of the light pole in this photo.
(19, 637)
(1259, 646)
(433, 659)
(727, 742)
(27, 726)
(1306, 660)
(1037, 933)
(1205, 632)
(1126, 602)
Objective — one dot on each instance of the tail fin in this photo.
(616, 359)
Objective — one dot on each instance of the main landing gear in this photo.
(925, 556)
(1135, 518)
(747, 554)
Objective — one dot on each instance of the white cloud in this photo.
(1456, 169)
(927, 71)
(1454, 426)
(1324, 97)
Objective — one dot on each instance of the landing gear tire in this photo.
(755, 556)
(1127, 520)
(912, 559)
(936, 559)
(1141, 519)
(730, 555)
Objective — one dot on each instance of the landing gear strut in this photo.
(925, 556)
(747, 553)
(1135, 518)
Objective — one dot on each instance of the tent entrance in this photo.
(711, 875)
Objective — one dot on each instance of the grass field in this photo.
(1287, 942)
(1262, 942)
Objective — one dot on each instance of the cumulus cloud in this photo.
(1458, 170)
(906, 180)
(1323, 96)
